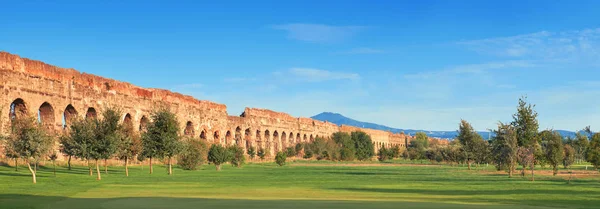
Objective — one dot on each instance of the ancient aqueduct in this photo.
(57, 95)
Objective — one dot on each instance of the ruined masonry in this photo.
(57, 95)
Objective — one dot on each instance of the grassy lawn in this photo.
(294, 186)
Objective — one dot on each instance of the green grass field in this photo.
(304, 185)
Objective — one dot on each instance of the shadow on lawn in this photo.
(31, 201)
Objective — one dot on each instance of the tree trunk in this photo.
(105, 166)
(150, 165)
(16, 164)
(532, 171)
(469, 164)
(218, 167)
(32, 172)
(570, 175)
(98, 171)
(69, 162)
(36, 165)
(126, 168)
(89, 167)
(54, 167)
(170, 167)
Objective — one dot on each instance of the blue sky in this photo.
(419, 64)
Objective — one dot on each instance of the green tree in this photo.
(251, 152)
(363, 145)
(298, 148)
(418, 146)
(347, 148)
(261, 153)
(161, 138)
(593, 152)
(68, 147)
(10, 150)
(290, 152)
(395, 151)
(504, 148)
(237, 155)
(581, 145)
(83, 136)
(106, 140)
(471, 142)
(280, 158)
(193, 154)
(130, 144)
(527, 127)
(29, 141)
(52, 157)
(554, 151)
(383, 154)
(218, 155)
(569, 159)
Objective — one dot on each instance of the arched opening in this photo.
(189, 129)
(18, 109)
(46, 115)
(203, 135)
(298, 139)
(291, 138)
(312, 139)
(143, 124)
(276, 141)
(238, 136)
(228, 138)
(69, 116)
(248, 138)
(258, 140)
(216, 137)
(127, 120)
(91, 113)
(305, 138)
(283, 140)
(267, 139)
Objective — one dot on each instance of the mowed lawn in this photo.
(300, 185)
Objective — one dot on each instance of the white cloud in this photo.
(575, 46)
(364, 50)
(316, 75)
(319, 33)
(473, 69)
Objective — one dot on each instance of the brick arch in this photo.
(228, 138)
(217, 136)
(189, 129)
(143, 124)
(298, 138)
(127, 120)
(69, 115)
(18, 109)
(203, 135)
(46, 115)
(91, 113)
(237, 137)
(276, 140)
(283, 140)
(247, 138)
(291, 138)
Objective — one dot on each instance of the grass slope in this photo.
(268, 186)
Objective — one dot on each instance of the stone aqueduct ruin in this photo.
(57, 95)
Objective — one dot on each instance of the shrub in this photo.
(218, 155)
(299, 148)
(290, 152)
(383, 154)
(251, 152)
(193, 154)
(346, 154)
(261, 153)
(363, 144)
(237, 155)
(280, 158)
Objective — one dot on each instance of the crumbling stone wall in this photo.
(56, 96)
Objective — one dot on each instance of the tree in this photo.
(347, 148)
(526, 124)
(593, 152)
(30, 142)
(384, 154)
(261, 153)
(193, 154)
(417, 147)
(554, 150)
(581, 145)
(130, 145)
(526, 157)
(569, 159)
(280, 158)
(290, 152)
(106, 139)
(161, 138)
(504, 148)
(298, 148)
(395, 151)
(10, 150)
(218, 155)
(68, 147)
(52, 157)
(471, 142)
(83, 134)
(237, 155)
(251, 152)
(363, 145)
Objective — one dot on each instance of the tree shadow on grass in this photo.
(32, 201)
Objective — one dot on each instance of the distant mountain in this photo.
(339, 119)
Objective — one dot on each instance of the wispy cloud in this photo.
(364, 50)
(319, 33)
(576, 45)
(317, 75)
(474, 69)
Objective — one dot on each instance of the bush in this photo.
(261, 153)
(193, 154)
(218, 155)
(237, 155)
(290, 152)
(299, 148)
(280, 158)
(384, 154)
(347, 154)
(251, 152)
(363, 144)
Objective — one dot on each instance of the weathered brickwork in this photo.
(57, 95)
